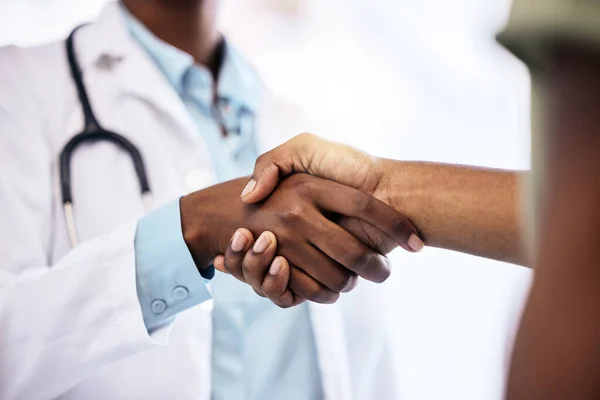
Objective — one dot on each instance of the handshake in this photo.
(322, 213)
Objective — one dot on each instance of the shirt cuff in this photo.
(167, 279)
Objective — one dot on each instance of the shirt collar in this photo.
(238, 81)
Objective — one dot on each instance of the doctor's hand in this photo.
(258, 264)
(324, 258)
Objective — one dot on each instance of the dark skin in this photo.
(189, 25)
(324, 258)
(557, 351)
(468, 209)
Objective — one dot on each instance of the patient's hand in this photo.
(307, 153)
(316, 156)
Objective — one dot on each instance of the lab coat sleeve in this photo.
(60, 323)
(168, 281)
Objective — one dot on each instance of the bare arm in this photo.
(557, 352)
(467, 209)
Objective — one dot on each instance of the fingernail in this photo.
(239, 241)
(415, 243)
(262, 243)
(275, 266)
(249, 187)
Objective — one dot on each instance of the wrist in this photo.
(195, 231)
(209, 217)
(401, 186)
(391, 176)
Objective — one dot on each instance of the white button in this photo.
(180, 293)
(198, 179)
(158, 306)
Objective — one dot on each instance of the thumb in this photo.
(278, 163)
(263, 181)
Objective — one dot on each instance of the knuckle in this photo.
(342, 282)
(299, 178)
(305, 136)
(292, 215)
(298, 213)
(263, 158)
(281, 304)
(359, 259)
(322, 295)
(302, 184)
(326, 232)
(362, 202)
(400, 225)
(381, 270)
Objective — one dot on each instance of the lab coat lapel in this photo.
(134, 71)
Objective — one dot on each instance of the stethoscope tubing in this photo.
(92, 133)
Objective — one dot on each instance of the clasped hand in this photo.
(315, 236)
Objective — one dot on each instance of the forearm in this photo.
(467, 209)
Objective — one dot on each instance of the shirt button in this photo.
(180, 293)
(197, 179)
(158, 306)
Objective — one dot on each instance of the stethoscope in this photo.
(92, 133)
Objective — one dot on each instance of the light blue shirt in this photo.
(259, 350)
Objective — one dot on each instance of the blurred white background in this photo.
(406, 79)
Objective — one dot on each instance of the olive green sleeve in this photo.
(535, 25)
(533, 28)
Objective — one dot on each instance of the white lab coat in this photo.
(70, 322)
